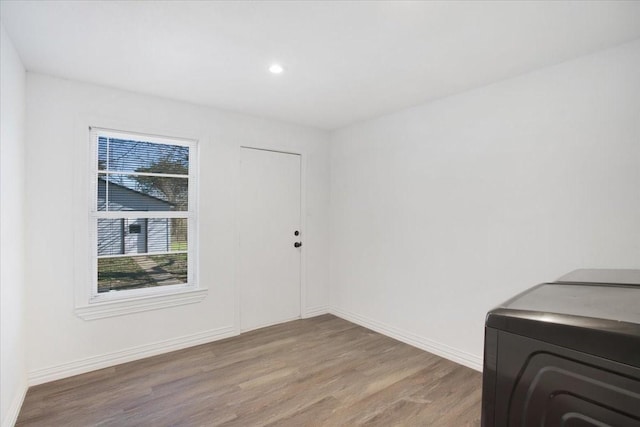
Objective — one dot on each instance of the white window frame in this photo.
(114, 303)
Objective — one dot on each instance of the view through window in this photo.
(143, 216)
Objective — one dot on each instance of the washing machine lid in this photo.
(606, 302)
(603, 276)
(585, 310)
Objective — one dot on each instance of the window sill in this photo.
(102, 310)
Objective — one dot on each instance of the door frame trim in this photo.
(303, 230)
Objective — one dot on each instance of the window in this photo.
(143, 215)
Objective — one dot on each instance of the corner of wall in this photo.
(13, 387)
(11, 416)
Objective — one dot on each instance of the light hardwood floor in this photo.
(322, 371)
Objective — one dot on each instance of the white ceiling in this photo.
(344, 61)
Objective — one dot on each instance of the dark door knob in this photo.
(297, 244)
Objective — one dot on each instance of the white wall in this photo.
(60, 342)
(12, 284)
(443, 211)
(438, 213)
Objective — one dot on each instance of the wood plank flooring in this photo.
(322, 371)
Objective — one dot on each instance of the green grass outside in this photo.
(178, 246)
(121, 273)
(175, 264)
(124, 273)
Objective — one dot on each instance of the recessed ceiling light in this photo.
(276, 68)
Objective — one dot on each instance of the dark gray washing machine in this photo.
(565, 353)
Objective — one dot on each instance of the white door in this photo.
(269, 217)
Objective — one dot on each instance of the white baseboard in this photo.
(268, 324)
(462, 357)
(82, 366)
(11, 416)
(315, 311)
(93, 363)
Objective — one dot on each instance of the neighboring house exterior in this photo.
(131, 236)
